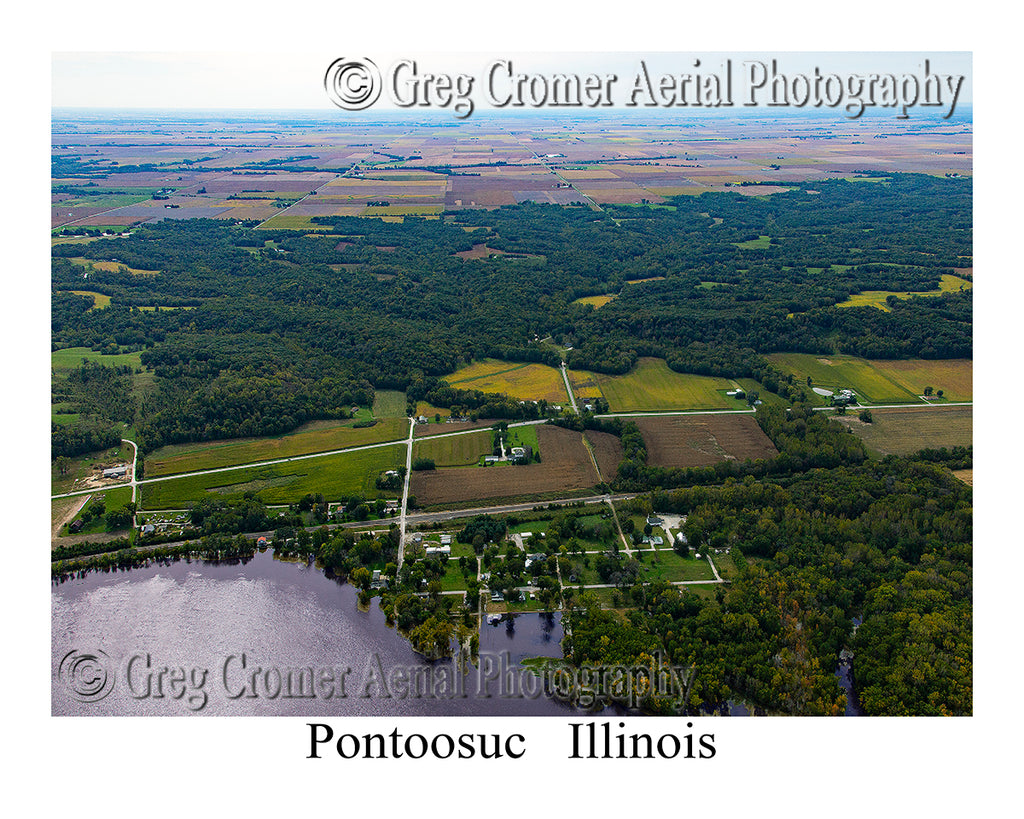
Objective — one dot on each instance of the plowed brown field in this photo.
(702, 440)
(566, 467)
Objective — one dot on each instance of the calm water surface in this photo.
(198, 619)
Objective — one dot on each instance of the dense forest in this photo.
(257, 332)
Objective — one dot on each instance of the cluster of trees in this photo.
(87, 435)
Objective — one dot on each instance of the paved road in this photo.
(428, 517)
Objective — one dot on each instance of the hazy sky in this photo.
(264, 80)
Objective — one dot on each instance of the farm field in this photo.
(596, 302)
(318, 436)
(874, 382)
(876, 298)
(608, 453)
(566, 467)
(336, 476)
(955, 377)
(454, 450)
(524, 382)
(388, 404)
(905, 430)
(71, 357)
(652, 386)
(684, 441)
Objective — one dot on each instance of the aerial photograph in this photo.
(509, 387)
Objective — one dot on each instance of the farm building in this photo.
(116, 471)
(844, 397)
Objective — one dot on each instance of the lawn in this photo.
(317, 436)
(336, 476)
(453, 579)
(112, 499)
(671, 567)
(652, 386)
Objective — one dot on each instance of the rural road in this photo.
(136, 483)
(568, 389)
(405, 492)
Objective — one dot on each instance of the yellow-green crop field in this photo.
(652, 386)
(524, 382)
(318, 436)
(881, 382)
(876, 298)
(596, 301)
(454, 450)
(336, 476)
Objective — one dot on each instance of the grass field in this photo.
(318, 436)
(388, 404)
(760, 243)
(71, 357)
(665, 564)
(336, 476)
(111, 267)
(905, 430)
(652, 386)
(876, 298)
(881, 382)
(595, 301)
(454, 450)
(523, 382)
(99, 300)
